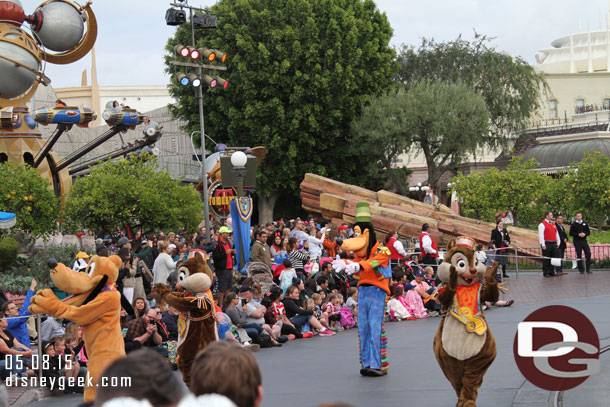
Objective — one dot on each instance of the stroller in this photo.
(261, 275)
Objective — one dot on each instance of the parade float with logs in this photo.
(336, 201)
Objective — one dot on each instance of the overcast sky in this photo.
(132, 33)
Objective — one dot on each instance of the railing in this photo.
(590, 108)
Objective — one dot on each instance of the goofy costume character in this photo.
(373, 272)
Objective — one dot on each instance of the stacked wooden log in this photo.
(336, 202)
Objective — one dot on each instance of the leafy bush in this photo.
(36, 265)
(9, 249)
(599, 237)
(15, 284)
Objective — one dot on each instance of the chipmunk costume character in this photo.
(464, 346)
(372, 269)
(95, 304)
(197, 321)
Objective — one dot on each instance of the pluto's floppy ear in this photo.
(116, 260)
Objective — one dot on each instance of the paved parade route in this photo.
(311, 371)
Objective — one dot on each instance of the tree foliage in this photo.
(446, 122)
(526, 193)
(381, 133)
(299, 72)
(589, 187)
(25, 193)
(509, 85)
(132, 192)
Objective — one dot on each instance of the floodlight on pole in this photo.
(207, 54)
(183, 79)
(220, 56)
(211, 82)
(194, 79)
(182, 50)
(221, 82)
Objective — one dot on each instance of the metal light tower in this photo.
(176, 17)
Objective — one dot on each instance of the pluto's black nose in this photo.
(52, 263)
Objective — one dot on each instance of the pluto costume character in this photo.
(372, 269)
(197, 322)
(95, 304)
(464, 346)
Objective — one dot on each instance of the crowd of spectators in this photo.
(310, 294)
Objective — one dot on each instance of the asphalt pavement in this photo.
(308, 372)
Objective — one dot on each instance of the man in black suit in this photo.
(579, 230)
(563, 238)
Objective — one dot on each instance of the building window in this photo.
(552, 109)
(28, 158)
(580, 106)
(606, 104)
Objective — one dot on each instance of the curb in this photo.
(31, 395)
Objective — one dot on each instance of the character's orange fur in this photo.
(99, 317)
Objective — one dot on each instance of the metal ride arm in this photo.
(88, 147)
(112, 156)
(61, 128)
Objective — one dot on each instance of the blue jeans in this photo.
(17, 364)
(253, 330)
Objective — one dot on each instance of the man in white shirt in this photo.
(428, 248)
(548, 236)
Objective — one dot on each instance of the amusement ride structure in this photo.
(61, 32)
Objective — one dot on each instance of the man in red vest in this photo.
(429, 251)
(397, 250)
(549, 242)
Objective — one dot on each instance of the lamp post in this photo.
(238, 161)
(419, 188)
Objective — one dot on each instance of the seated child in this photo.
(318, 313)
(352, 300)
(429, 271)
(287, 275)
(396, 309)
(332, 309)
(425, 291)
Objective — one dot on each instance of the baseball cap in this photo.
(342, 227)
(82, 255)
(420, 272)
(123, 240)
(244, 289)
(224, 229)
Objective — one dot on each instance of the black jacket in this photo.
(171, 322)
(497, 238)
(562, 236)
(293, 309)
(219, 254)
(576, 228)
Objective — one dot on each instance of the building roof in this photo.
(562, 154)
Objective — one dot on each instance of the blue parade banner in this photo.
(241, 213)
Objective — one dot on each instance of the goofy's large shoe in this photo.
(464, 346)
(373, 271)
(95, 304)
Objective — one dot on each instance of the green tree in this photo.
(380, 133)
(510, 86)
(518, 188)
(25, 193)
(299, 72)
(589, 184)
(132, 192)
(446, 122)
